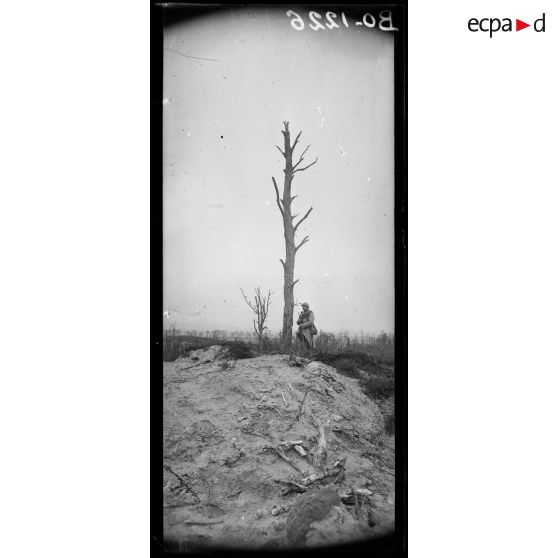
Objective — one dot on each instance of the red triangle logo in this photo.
(519, 25)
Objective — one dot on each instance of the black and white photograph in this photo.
(216, 340)
(279, 223)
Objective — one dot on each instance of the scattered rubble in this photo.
(271, 452)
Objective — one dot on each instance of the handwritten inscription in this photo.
(331, 20)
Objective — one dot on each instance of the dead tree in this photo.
(260, 307)
(290, 227)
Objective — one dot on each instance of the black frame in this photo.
(389, 546)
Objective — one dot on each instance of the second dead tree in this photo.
(290, 227)
(260, 307)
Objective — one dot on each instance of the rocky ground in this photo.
(271, 452)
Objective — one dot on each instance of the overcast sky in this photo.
(221, 119)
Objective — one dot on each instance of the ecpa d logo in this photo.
(492, 25)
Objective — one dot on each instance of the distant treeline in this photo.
(380, 346)
(339, 337)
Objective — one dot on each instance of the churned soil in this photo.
(233, 475)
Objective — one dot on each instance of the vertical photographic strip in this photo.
(281, 346)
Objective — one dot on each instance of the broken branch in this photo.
(246, 431)
(292, 486)
(320, 455)
(193, 366)
(341, 472)
(296, 141)
(301, 157)
(305, 215)
(247, 301)
(301, 450)
(304, 241)
(306, 167)
(312, 479)
(277, 199)
(301, 405)
(181, 481)
(283, 455)
(290, 443)
(188, 522)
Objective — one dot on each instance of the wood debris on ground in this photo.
(237, 463)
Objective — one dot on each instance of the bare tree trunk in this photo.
(289, 228)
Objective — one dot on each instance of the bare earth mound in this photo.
(271, 453)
